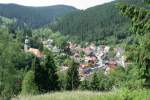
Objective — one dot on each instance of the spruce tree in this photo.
(85, 85)
(72, 78)
(38, 72)
(28, 85)
(95, 82)
(50, 70)
(46, 77)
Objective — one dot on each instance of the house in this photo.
(36, 52)
(122, 61)
(120, 56)
(112, 64)
(48, 44)
(119, 52)
(84, 66)
(107, 70)
(100, 63)
(90, 58)
(55, 49)
(106, 49)
(72, 45)
(87, 50)
(76, 57)
(86, 71)
(93, 46)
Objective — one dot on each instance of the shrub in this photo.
(128, 78)
(85, 85)
(49, 80)
(72, 78)
(95, 83)
(28, 84)
(62, 80)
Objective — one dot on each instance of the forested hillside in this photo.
(39, 64)
(34, 16)
(100, 23)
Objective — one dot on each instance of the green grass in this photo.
(88, 95)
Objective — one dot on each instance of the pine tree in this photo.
(38, 72)
(72, 78)
(28, 85)
(51, 77)
(46, 77)
(95, 82)
(85, 85)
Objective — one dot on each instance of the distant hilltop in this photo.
(34, 16)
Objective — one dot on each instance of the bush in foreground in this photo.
(28, 85)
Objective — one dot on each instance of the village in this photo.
(91, 58)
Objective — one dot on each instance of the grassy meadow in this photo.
(89, 95)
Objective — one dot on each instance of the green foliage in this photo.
(46, 77)
(101, 82)
(62, 80)
(67, 62)
(119, 78)
(60, 59)
(28, 85)
(10, 59)
(143, 60)
(36, 43)
(6, 21)
(43, 77)
(72, 78)
(85, 85)
(50, 79)
(102, 24)
(95, 82)
(127, 78)
(33, 16)
(59, 40)
(111, 54)
(38, 73)
(140, 18)
(98, 82)
(44, 33)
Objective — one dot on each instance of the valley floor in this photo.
(88, 95)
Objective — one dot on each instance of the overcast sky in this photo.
(80, 4)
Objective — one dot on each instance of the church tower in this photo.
(26, 44)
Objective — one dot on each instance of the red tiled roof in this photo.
(36, 52)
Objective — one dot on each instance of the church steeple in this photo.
(26, 44)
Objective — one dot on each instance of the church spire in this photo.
(26, 44)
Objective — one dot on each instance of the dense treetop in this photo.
(99, 23)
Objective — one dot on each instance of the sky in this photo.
(80, 4)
